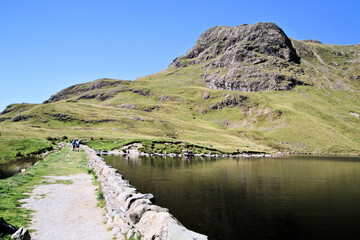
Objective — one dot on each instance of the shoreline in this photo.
(138, 153)
(241, 155)
(20, 164)
(133, 213)
(45, 161)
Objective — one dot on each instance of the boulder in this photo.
(206, 95)
(177, 232)
(6, 228)
(21, 234)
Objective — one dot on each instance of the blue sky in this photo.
(48, 45)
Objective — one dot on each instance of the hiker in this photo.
(74, 143)
(77, 144)
(127, 154)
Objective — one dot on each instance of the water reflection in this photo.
(284, 198)
(12, 167)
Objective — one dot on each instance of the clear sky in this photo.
(48, 45)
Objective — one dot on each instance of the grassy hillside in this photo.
(175, 104)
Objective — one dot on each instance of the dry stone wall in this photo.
(132, 213)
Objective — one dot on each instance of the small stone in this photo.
(125, 228)
(21, 234)
(202, 111)
(129, 234)
(206, 95)
(120, 236)
(115, 230)
(118, 221)
(109, 221)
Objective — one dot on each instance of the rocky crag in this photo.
(245, 58)
(101, 89)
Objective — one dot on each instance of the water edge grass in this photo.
(13, 148)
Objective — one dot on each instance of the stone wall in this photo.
(130, 212)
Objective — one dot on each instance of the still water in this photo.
(14, 166)
(272, 198)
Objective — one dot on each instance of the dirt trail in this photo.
(67, 211)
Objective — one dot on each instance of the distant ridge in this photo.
(98, 87)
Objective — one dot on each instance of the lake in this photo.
(293, 197)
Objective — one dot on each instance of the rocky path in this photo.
(67, 211)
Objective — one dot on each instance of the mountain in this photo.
(248, 87)
(245, 58)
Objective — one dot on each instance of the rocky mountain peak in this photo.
(263, 38)
(246, 58)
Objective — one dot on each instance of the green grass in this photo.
(252, 129)
(307, 119)
(12, 148)
(100, 194)
(107, 145)
(18, 186)
(152, 146)
(133, 236)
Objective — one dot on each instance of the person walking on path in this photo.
(77, 145)
(73, 144)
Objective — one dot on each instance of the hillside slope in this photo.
(248, 87)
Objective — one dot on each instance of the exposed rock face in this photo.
(163, 98)
(4, 119)
(312, 41)
(8, 109)
(84, 90)
(142, 92)
(62, 117)
(245, 58)
(20, 118)
(127, 106)
(100, 95)
(230, 101)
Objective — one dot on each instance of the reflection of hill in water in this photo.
(164, 162)
(276, 198)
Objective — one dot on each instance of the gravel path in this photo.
(67, 211)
